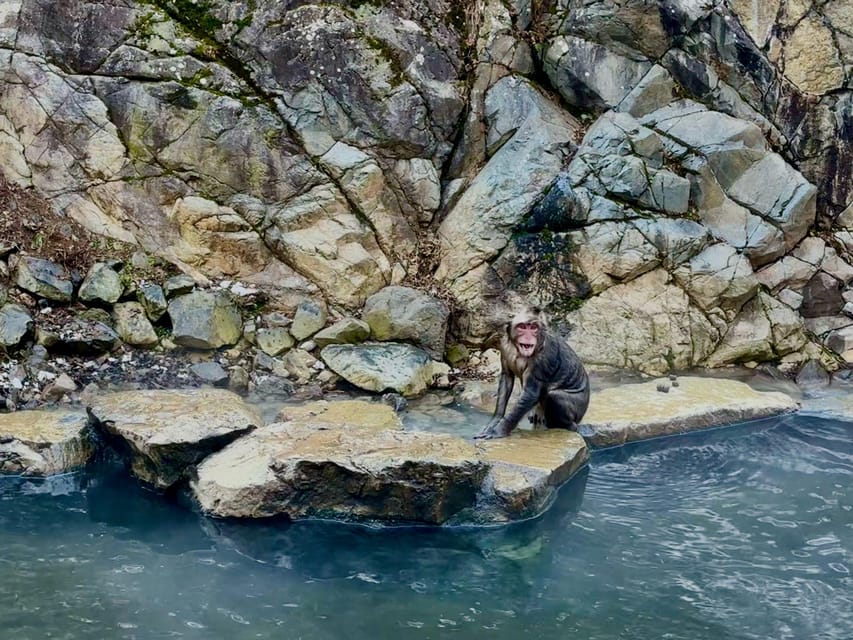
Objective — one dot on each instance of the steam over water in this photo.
(739, 533)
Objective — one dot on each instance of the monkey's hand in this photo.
(495, 429)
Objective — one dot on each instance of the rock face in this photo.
(708, 141)
(165, 433)
(351, 460)
(41, 443)
(639, 411)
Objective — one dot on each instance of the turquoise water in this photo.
(744, 532)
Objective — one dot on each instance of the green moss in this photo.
(197, 15)
(545, 270)
(182, 97)
(387, 54)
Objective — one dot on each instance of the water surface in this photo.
(744, 532)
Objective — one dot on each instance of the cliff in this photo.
(672, 179)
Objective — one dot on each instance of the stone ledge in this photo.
(639, 411)
(43, 442)
(355, 462)
(166, 432)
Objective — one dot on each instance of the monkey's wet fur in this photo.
(552, 376)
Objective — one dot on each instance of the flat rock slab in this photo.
(351, 460)
(526, 469)
(165, 433)
(42, 442)
(639, 411)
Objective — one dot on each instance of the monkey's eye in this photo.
(528, 326)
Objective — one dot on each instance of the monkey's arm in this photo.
(529, 397)
(502, 427)
(505, 386)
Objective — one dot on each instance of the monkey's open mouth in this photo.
(526, 348)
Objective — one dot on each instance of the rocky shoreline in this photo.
(354, 460)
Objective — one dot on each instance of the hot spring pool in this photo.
(744, 532)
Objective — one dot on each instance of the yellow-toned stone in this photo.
(547, 451)
(839, 14)
(638, 411)
(352, 460)
(354, 413)
(757, 17)
(43, 442)
(811, 58)
(356, 472)
(527, 467)
(169, 431)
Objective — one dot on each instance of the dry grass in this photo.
(29, 224)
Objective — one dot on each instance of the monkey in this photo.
(552, 375)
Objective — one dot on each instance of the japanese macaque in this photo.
(551, 374)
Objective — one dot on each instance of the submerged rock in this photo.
(351, 460)
(40, 443)
(638, 411)
(165, 433)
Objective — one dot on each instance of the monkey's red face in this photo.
(526, 337)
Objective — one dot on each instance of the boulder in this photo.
(639, 411)
(309, 318)
(210, 373)
(43, 442)
(15, 323)
(346, 331)
(350, 460)
(205, 320)
(274, 340)
(80, 335)
(166, 433)
(178, 285)
(133, 326)
(379, 367)
(101, 285)
(301, 365)
(152, 297)
(822, 296)
(43, 278)
(59, 388)
(406, 314)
